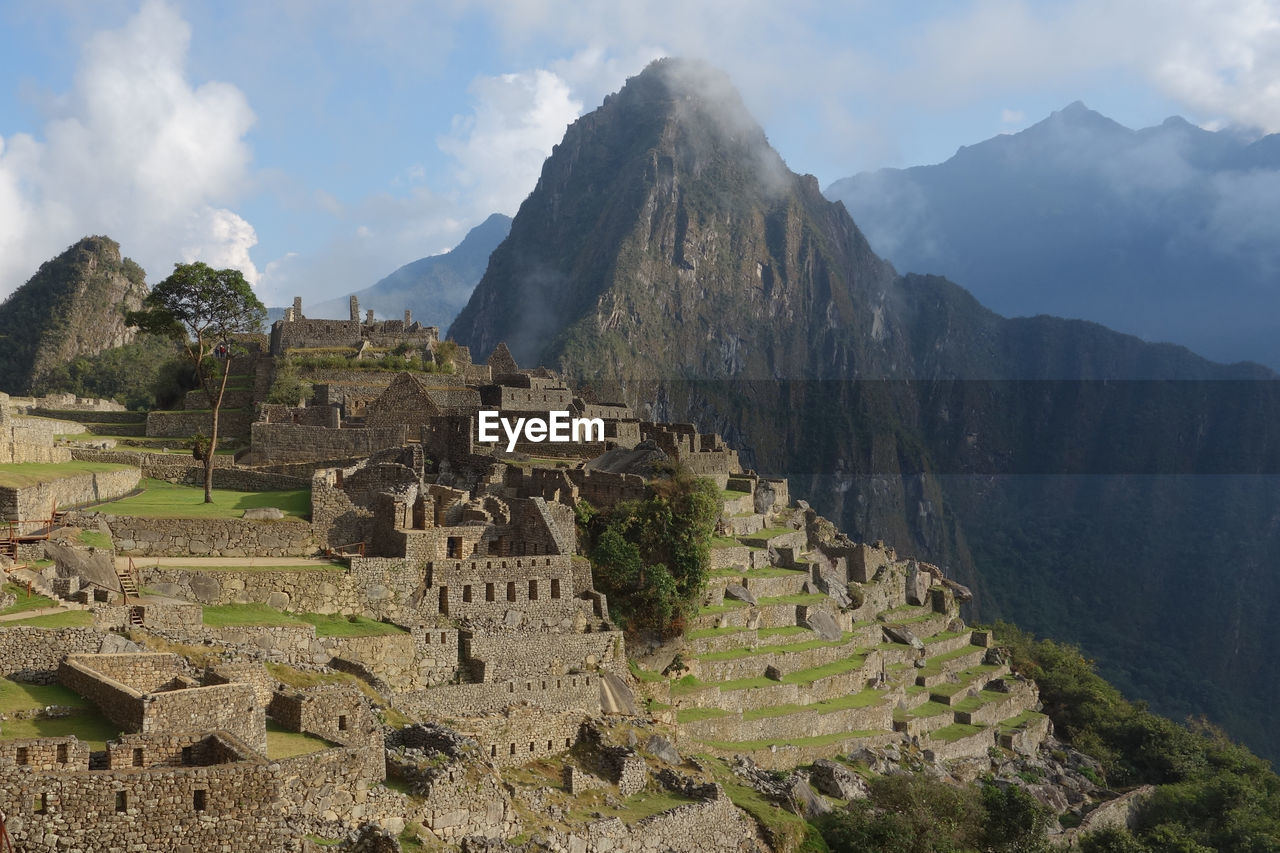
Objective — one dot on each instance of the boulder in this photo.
(805, 801)
(513, 618)
(263, 513)
(661, 748)
(772, 673)
(902, 634)
(616, 697)
(918, 583)
(740, 592)
(206, 590)
(822, 623)
(836, 780)
(114, 644)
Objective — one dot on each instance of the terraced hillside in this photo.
(787, 664)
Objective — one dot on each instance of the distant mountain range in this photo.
(1090, 486)
(433, 288)
(1171, 233)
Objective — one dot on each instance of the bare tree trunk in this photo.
(215, 405)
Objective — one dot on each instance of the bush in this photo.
(651, 556)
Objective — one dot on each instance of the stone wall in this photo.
(338, 714)
(54, 753)
(521, 655)
(800, 724)
(276, 443)
(33, 503)
(184, 424)
(31, 439)
(714, 826)
(518, 735)
(206, 537)
(33, 654)
(554, 693)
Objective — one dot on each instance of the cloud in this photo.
(1008, 116)
(1219, 58)
(499, 149)
(134, 151)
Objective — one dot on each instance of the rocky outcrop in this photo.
(73, 306)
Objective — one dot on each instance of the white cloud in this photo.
(499, 149)
(1008, 116)
(134, 151)
(1220, 58)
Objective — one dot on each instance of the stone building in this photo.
(296, 331)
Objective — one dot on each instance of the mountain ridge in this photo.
(652, 261)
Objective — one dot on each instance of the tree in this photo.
(204, 309)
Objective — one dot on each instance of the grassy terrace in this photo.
(817, 740)
(326, 625)
(763, 572)
(928, 709)
(282, 743)
(159, 499)
(965, 680)
(863, 699)
(935, 664)
(804, 646)
(725, 542)
(18, 475)
(65, 619)
(86, 723)
(25, 602)
(690, 684)
(1020, 720)
(973, 703)
(808, 599)
(955, 731)
(945, 635)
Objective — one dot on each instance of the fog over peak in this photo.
(1169, 232)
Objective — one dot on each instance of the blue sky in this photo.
(319, 144)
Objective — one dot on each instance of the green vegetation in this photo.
(334, 625)
(282, 743)
(861, 699)
(65, 619)
(85, 722)
(651, 556)
(784, 829)
(288, 388)
(96, 539)
(294, 677)
(147, 373)
(159, 499)
(914, 813)
(20, 696)
(1212, 794)
(693, 715)
(641, 674)
(955, 731)
(24, 602)
(20, 474)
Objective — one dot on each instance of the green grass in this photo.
(642, 674)
(282, 743)
(807, 645)
(349, 626)
(862, 699)
(954, 732)
(689, 684)
(729, 604)
(765, 743)
(785, 830)
(784, 631)
(703, 633)
(159, 499)
(96, 539)
(65, 619)
(807, 599)
(1019, 720)
(294, 677)
(86, 723)
(19, 696)
(945, 635)
(973, 703)
(725, 542)
(693, 715)
(17, 475)
(929, 709)
(769, 533)
(25, 602)
(235, 615)
(934, 665)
